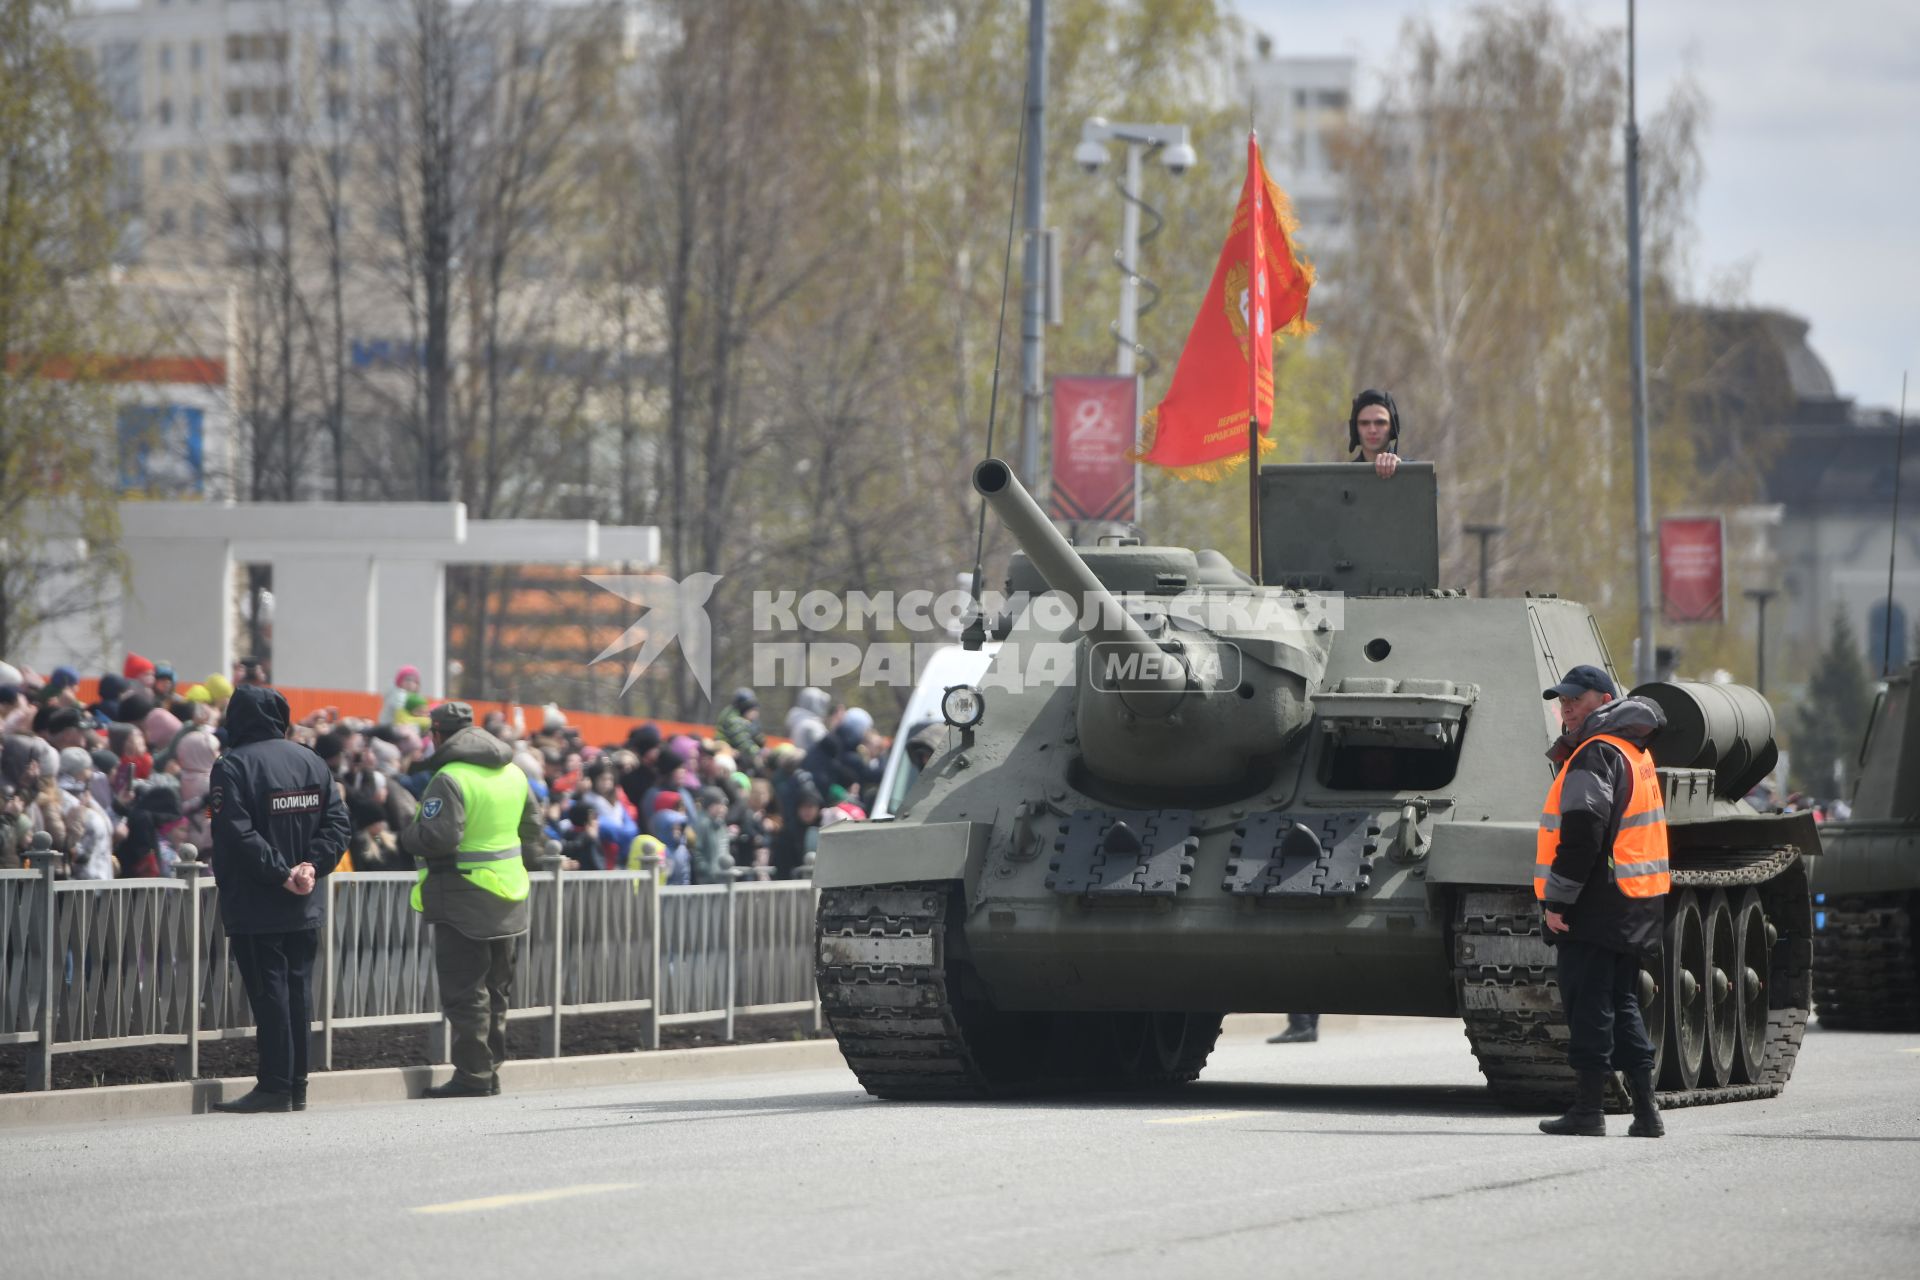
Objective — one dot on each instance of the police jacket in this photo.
(448, 895)
(1594, 796)
(274, 806)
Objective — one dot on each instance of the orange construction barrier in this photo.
(596, 729)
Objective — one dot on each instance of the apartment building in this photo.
(1299, 104)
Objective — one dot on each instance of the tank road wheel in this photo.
(1751, 961)
(1723, 995)
(1184, 1042)
(1653, 1013)
(1169, 1041)
(1686, 992)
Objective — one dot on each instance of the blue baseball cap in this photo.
(1583, 679)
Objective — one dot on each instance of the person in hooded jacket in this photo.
(279, 828)
(1601, 876)
(476, 834)
(807, 718)
(838, 759)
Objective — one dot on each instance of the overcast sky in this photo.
(1812, 154)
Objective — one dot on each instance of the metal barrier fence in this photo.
(145, 962)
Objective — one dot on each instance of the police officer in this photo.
(1600, 872)
(476, 833)
(279, 827)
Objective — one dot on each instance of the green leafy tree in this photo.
(58, 519)
(1829, 722)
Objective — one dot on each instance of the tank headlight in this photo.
(962, 706)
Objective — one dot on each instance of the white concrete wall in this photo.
(323, 622)
(180, 609)
(410, 617)
(359, 588)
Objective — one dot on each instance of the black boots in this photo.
(458, 1088)
(1585, 1119)
(255, 1101)
(1302, 1028)
(1646, 1108)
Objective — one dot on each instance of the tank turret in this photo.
(1198, 679)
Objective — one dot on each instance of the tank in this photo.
(1178, 793)
(1867, 966)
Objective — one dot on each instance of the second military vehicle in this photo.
(1177, 793)
(1866, 958)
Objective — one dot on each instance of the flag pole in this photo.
(1255, 310)
(1253, 497)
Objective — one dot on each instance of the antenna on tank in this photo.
(975, 634)
(1893, 532)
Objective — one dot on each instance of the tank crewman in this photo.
(1600, 873)
(1373, 431)
(279, 827)
(475, 834)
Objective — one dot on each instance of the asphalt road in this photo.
(1372, 1153)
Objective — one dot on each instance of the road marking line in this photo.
(1202, 1119)
(525, 1197)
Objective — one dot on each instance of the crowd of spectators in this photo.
(120, 783)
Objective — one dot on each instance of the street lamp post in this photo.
(1486, 533)
(1170, 141)
(1646, 665)
(1760, 596)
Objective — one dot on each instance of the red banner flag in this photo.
(1693, 570)
(1226, 369)
(1092, 472)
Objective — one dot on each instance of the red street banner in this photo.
(1226, 368)
(1093, 469)
(1693, 570)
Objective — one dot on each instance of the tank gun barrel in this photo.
(1102, 620)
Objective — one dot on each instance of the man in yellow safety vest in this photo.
(1600, 873)
(476, 833)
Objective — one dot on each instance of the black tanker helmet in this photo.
(1362, 401)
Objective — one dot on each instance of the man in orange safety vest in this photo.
(1600, 873)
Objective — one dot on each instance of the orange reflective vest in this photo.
(1638, 858)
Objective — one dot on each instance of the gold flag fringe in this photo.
(1219, 469)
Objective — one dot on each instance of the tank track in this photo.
(1867, 973)
(1509, 997)
(893, 992)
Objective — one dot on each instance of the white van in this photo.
(944, 669)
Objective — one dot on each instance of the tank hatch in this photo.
(1340, 527)
(1386, 734)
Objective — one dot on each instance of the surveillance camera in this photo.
(1090, 155)
(1179, 159)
